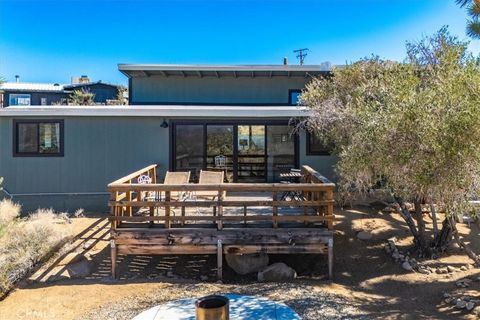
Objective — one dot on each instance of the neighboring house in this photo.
(182, 117)
(43, 94)
(29, 94)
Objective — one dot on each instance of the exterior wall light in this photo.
(164, 124)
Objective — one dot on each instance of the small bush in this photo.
(9, 211)
(28, 241)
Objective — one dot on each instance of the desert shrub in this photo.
(9, 211)
(28, 241)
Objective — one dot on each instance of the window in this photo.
(41, 138)
(19, 99)
(293, 96)
(43, 101)
(316, 146)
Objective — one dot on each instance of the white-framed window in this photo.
(18, 99)
(43, 101)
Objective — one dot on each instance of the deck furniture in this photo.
(243, 224)
(293, 176)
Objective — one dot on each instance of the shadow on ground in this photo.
(366, 279)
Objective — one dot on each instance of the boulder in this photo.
(460, 304)
(247, 263)
(277, 272)
(364, 235)
(407, 266)
(469, 306)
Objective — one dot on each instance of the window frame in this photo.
(15, 133)
(290, 91)
(15, 96)
(309, 150)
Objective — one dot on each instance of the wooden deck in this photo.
(241, 218)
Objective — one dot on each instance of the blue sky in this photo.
(50, 41)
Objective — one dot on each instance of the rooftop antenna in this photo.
(301, 54)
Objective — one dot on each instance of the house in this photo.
(181, 117)
(43, 94)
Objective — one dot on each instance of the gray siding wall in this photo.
(323, 164)
(97, 151)
(210, 90)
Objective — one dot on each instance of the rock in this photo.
(89, 244)
(203, 277)
(80, 269)
(277, 272)
(469, 306)
(446, 295)
(364, 235)
(448, 300)
(247, 263)
(406, 265)
(476, 311)
(460, 304)
(441, 270)
(463, 268)
(396, 255)
(392, 241)
(423, 270)
(451, 269)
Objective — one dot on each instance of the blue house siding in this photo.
(36, 97)
(102, 91)
(97, 151)
(214, 91)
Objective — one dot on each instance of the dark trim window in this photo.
(293, 95)
(316, 146)
(38, 138)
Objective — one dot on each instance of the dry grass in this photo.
(26, 241)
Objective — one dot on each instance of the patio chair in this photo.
(210, 177)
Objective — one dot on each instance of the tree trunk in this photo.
(421, 227)
(409, 220)
(463, 245)
(434, 218)
(444, 237)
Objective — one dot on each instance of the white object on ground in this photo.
(241, 308)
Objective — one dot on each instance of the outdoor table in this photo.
(241, 308)
(292, 176)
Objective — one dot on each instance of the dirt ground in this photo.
(367, 283)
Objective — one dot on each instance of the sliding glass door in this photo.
(220, 149)
(251, 153)
(245, 152)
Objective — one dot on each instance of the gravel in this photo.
(307, 300)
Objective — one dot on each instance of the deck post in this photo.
(220, 210)
(167, 210)
(274, 210)
(330, 259)
(113, 256)
(329, 209)
(219, 259)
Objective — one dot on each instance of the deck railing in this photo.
(138, 227)
(313, 195)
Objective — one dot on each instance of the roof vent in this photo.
(56, 84)
(17, 78)
(285, 61)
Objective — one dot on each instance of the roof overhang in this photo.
(165, 111)
(219, 71)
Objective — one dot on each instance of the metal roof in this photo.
(29, 87)
(77, 85)
(167, 111)
(207, 70)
